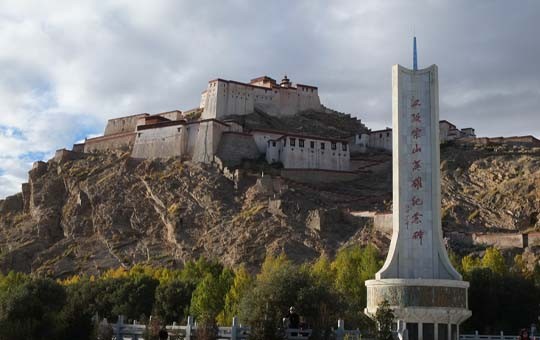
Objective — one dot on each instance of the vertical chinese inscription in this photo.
(416, 116)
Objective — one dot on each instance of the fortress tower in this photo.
(427, 295)
(223, 98)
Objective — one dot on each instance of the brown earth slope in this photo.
(103, 211)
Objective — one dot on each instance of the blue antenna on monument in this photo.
(415, 56)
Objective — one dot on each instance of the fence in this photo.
(477, 336)
(124, 331)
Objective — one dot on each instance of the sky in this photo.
(68, 66)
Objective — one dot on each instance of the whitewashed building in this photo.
(309, 152)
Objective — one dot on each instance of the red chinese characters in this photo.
(416, 117)
(417, 165)
(417, 183)
(418, 235)
(417, 148)
(416, 201)
(416, 218)
(416, 132)
(415, 102)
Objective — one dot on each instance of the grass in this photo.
(473, 215)
(248, 214)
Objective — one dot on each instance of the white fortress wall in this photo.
(262, 137)
(192, 131)
(308, 97)
(202, 103)
(314, 154)
(273, 151)
(381, 139)
(228, 97)
(240, 99)
(160, 142)
(207, 141)
(123, 124)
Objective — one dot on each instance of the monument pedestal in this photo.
(428, 309)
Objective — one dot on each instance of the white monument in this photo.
(427, 295)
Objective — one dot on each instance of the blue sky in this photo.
(68, 66)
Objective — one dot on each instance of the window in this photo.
(293, 141)
(301, 143)
(380, 135)
(284, 141)
(344, 146)
(312, 144)
(273, 143)
(388, 134)
(322, 145)
(333, 145)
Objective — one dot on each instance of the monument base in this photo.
(427, 309)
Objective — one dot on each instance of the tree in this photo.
(29, 309)
(172, 300)
(352, 267)
(241, 284)
(494, 260)
(469, 263)
(280, 285)
(208, 298)
(384, 316)
(134, 296)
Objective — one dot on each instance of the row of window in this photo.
(333, 145)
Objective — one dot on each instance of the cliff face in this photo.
(100, 211)
(490, 188)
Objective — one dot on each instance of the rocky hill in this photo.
(106, 210)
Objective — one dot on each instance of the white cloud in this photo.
(67, 66)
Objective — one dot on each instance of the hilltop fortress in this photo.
(208, 132)
(225, 129)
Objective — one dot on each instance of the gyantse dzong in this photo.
(212, 132)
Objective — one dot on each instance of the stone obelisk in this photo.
(427, 295)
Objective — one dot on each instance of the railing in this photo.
(123, 331)
(477, 336)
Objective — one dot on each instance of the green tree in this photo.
(242, 282)
(29, 309)
(208, 298)
(280, 285)
(384, 316)
(134, 296)
(469, 263)
(494, 260)
(79, 310)
(352, 267)
(172, 300)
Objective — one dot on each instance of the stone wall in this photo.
(123, 124)
(515, 140)
(207, 141)
(236, 146)
(499, 240)
(113, 142)
(383, 222)
(162, 142)
(317, 176)
(64, 155)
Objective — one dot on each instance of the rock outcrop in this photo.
(97, 211)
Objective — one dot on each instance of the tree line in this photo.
(503, 296)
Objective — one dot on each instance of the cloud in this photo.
(68, 66)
